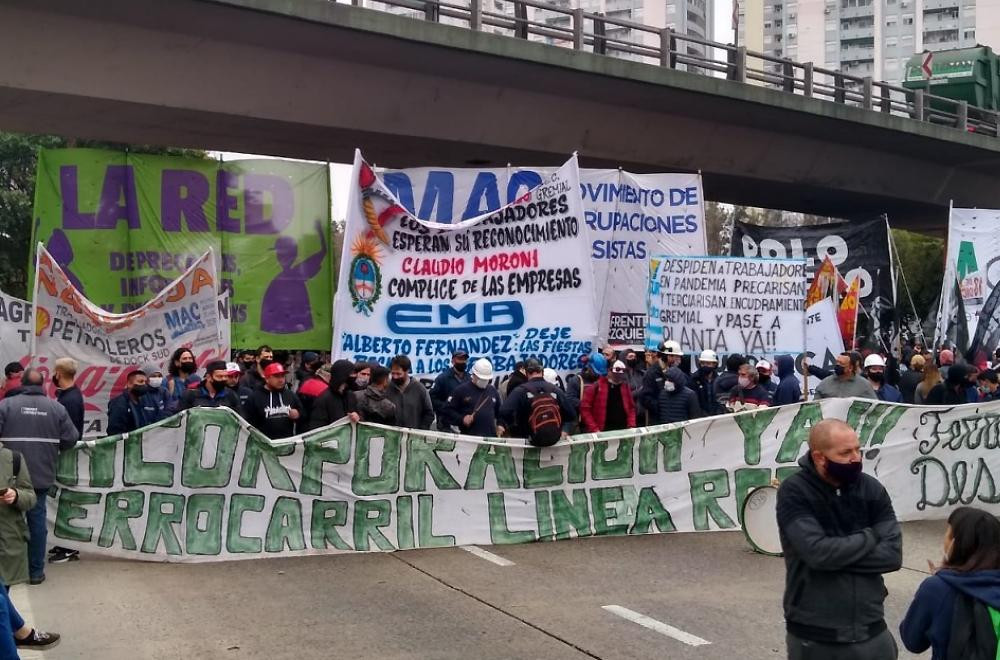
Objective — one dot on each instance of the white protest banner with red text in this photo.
(511, 284)
(187, 313)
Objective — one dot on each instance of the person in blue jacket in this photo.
(956, 611)
(875, 373)
(136, 407)
(789, 388)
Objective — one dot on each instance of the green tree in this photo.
(18, 162)
(920, 262)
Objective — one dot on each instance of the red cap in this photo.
(274, 369)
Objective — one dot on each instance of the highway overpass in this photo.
(314, 79)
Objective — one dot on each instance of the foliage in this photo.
(18, 161)
(920, 260)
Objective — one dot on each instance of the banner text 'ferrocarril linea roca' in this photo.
(203, 486)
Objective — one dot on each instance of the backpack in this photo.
(544, 418)
(973, 631)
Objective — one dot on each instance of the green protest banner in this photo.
(204, 486)
(124, 225)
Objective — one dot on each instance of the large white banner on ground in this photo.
(973, 262)
(727, 304)
(509, 285)
(15, 330)
(628, 217)
(203, 486)
(107, 347)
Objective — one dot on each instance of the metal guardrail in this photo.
(606, 35)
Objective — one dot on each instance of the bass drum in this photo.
(760, 520)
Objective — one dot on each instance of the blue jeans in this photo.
(10, 622)
(38, 532)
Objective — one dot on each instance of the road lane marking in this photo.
(658, 626)
(488, 556)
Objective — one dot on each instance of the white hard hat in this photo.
(550, 376)
(671, 347)
(708, 356)
(483, 369)
(763, 364)
(874, 360)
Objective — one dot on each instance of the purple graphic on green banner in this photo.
(124, 225)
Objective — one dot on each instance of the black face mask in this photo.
(461, 367)
(632, 363)
(400, 381)
(188, 367)
(876, 376)
(139, 390)
(220, 385)
(706, 370)
(845, 473)
(839, 370)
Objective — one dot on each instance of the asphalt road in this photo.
(705, 596)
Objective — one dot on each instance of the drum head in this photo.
(760, 520)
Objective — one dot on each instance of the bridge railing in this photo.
(557, 24)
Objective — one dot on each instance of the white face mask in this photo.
(669, 386)
(744, 382)
(479, 382)
(156, 382)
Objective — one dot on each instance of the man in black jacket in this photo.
(213, 391)
(67, 393)
(519, 407)
(338, 399)
(839, 535)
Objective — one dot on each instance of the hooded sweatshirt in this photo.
(269, 412)
(928, 622)
(789, 390)
(333, 404)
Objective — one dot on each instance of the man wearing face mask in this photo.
(668, 355)
(839, 535)
(844, 382)
(136, 407)
(448, 381)
(474, 407)
(875, 373)
(748, 393)
(988, 382)
(213, 391)
(361, 377)
(703, 382)
(414, 409)
(677, 402)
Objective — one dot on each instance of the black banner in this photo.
(856, 248)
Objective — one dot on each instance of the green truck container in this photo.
(961, 74)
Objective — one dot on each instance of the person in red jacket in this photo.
(608, 404)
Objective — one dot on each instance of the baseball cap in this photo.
(764, 364)
(274, 369)
(461, 352)
(309, 357)
(618, 367)
(233, 369)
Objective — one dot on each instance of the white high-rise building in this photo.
(865, 37)
(686, 17)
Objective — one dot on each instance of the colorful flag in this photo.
(823, 284)
(848, 314)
